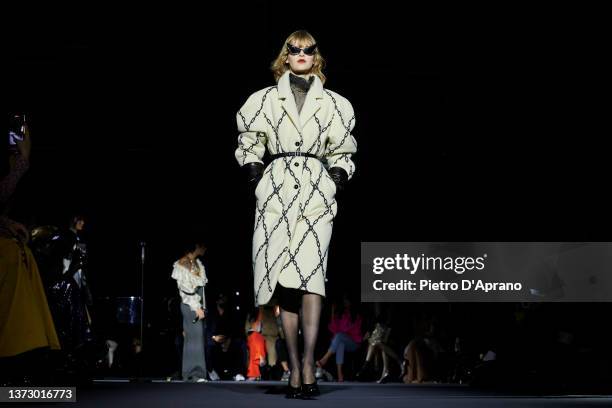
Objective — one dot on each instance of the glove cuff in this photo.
(253, 171)
(339, 175)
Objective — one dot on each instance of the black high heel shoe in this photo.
(386, 377)
(293, 392)
(364, 373)
(311, 390)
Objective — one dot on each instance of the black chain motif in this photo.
(347, 127)
(246, 148)
(294, 209)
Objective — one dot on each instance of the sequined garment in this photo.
(379, 334)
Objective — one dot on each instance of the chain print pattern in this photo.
(246, 148)
(295, 211)
(347, 127)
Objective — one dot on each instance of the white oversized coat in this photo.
(296, 202)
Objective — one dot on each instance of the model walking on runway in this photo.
(306, 130)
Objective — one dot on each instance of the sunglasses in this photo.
(293, 50)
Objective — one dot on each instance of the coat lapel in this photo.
(311, 105)
(313, 101)
(287, 100)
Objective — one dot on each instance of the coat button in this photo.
(296, 186)
(297, 143)
(296, 164)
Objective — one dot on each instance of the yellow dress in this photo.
(25, 319)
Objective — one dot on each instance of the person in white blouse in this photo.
(190, 277)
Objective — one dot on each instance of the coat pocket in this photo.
(332, 186)
(259, 186)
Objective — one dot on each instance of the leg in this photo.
(391, 353)
(111, 346)
(325, 357)
(349, 347)
(385, 371)
(340, 356)
(410, 356)
(370, 353)
(253, 366)
(336, 340)
(202, 346)
(194, 363)
(420, 366)
(362, 373)
(290, 328)
(385, 359)
(281, 353)
(271, 350)
(311, 312)
(236, 356)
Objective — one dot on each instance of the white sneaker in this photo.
(213, 375)
(239, 377)
(201, 380)
(286, 376)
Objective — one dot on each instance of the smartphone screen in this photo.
(16, 129)
(14, 137)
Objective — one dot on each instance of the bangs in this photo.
(301, 39)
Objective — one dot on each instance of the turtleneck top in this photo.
(299, 87)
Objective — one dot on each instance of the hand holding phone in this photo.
(14, 138)
(19, 135)
(15, 128)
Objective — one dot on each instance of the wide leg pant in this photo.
(194, 360)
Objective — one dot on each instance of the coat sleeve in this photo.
(341, 144)
(184, 287)
(252, 137)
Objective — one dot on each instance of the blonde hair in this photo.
(300, 38)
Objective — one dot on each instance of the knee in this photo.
(410, 348)
(111, 345)
(337, 339)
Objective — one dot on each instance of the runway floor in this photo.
(270, 394)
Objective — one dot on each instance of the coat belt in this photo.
(191, 293)
(292, 154)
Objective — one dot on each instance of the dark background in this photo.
(473, 124)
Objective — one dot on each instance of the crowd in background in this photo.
(46, 325)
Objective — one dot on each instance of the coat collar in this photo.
(311, 104)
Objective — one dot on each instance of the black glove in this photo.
(339, 176)
(254, 172)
